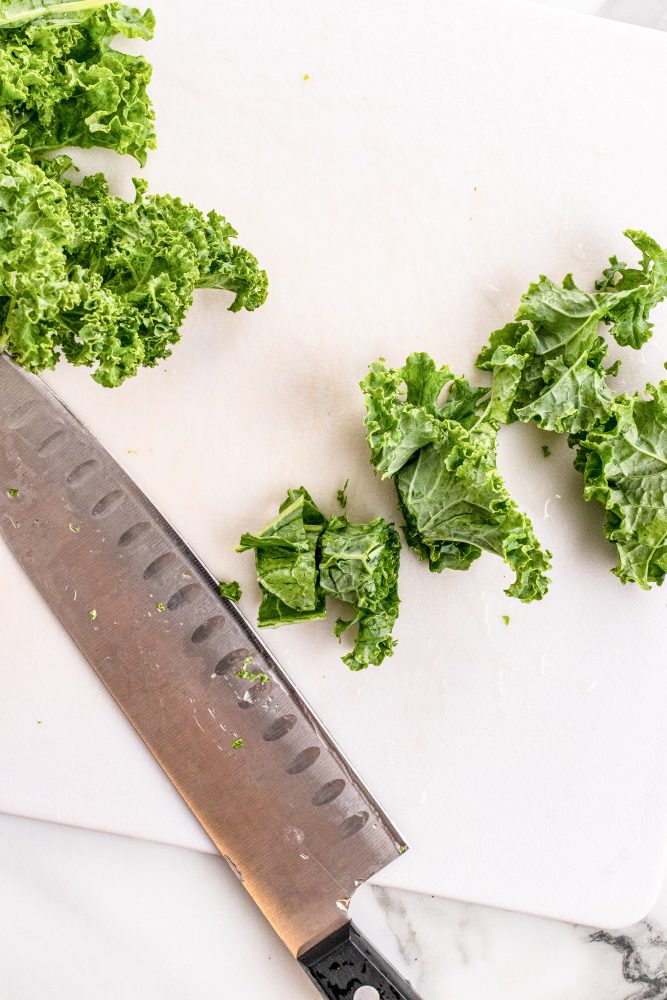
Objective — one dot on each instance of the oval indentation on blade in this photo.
(279, 728)
(353, 824)
(134, 534)
(304, 760)
(232, 661)
(52, 443)
(186, 595)
(206, 631)
(82, 472)
(159, 565)
(108, 503)
(24, 413)
(327, 793)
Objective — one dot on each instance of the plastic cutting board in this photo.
(438, 158)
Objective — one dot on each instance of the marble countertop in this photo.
(648, 13)
(92, 915)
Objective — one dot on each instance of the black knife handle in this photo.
(345, 961)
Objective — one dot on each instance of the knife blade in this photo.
(250, 758)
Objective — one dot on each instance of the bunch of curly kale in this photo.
(84, 274)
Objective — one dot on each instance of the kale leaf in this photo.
(104, 282)
(62, 83)
(301, 559)
(442, 456)
(359, 565)
(285, 559)
(624, 464)
(34, 286)
(547, 365)
(639, 289)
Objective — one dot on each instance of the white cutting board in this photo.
(438, 159)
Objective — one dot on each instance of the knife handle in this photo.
(345, 961)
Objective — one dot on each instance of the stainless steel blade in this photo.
(286, 809)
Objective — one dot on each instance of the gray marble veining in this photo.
(458, 950)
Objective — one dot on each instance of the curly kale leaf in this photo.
(395, 428)
(402, 410)
(285, 559)
(359, 565)
(147, 257)
(456, 505)
(547, 365)
(643, 288)
(624, 464)
(443, 460)
(35, 226)
(105, 282)
(62, 83)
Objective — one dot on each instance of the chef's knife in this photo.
(251, 760)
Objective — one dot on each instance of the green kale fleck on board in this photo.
(341, 495)
(232, 590)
